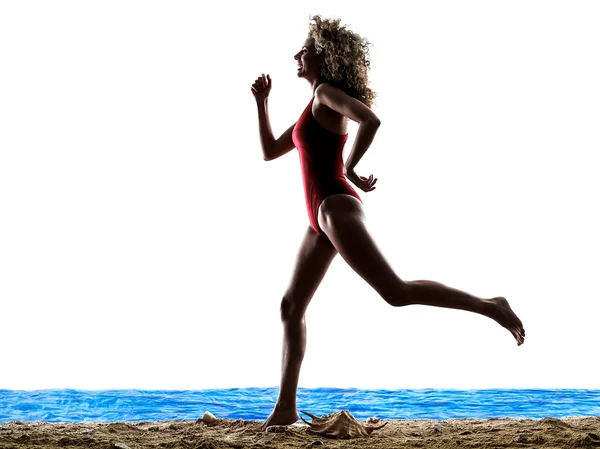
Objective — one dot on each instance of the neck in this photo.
(314, 84)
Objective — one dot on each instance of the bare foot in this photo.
(281, 417)
(501, 312)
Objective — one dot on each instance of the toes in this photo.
(520, 339)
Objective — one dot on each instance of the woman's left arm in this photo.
(340, 101)
(362, 142)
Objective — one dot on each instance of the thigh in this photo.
(342, 219)
(314, 257)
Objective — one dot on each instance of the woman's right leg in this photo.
(343, 220)
(315, 255)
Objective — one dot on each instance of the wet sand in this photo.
(454, 433)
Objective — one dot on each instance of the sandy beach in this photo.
(454, 433)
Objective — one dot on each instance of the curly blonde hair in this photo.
(344, 58)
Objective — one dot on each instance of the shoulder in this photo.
(340, 101)
(326, 90)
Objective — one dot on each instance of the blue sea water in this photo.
(68, 405)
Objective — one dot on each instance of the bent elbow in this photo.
(372, 122)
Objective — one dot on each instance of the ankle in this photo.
(488, 307)
(285, 405)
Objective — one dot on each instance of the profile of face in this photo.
(308, 60)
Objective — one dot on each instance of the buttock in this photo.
(317, 200)
(337, 194)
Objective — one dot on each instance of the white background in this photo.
(144, 242)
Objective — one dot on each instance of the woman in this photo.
(334, 62)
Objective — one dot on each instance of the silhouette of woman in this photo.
(334, 61)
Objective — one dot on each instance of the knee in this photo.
(399, 296)
(289, 311)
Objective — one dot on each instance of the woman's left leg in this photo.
(342, 219)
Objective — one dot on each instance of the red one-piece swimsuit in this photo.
(320, 152)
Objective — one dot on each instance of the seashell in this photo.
(340, 424)
(276, 428)
(267, 438)
(208, 418)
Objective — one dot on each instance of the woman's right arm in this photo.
(272, 149)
